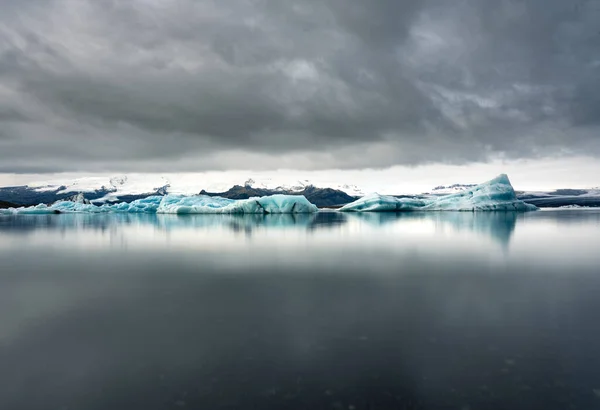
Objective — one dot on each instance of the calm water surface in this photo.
(329, 311)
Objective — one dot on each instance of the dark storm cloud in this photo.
(195, 85)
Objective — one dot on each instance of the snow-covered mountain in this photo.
(450, 189)
(113, 186)
(134, 186)
(301, 185)
(543, 199)
(126, 188)
(562, 198)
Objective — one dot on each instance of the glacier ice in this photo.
(180, 204)
(202, 204)
(495, 195)
(384, 203)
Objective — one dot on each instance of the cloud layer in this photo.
(154, 85)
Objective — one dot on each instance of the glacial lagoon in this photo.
(331, 310)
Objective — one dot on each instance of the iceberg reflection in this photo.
(235, 222)
(498, 226)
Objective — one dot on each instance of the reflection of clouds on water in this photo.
(305, 238)
(165, 222)
(159, 303)
(498, 226)
(234, 222)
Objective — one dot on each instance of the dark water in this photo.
(329, 311)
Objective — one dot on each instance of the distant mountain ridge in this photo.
(25, 195)
(118, 191)
(562, 198)
(4, 205)
(127, 189)
(451, 189)
(321, 197)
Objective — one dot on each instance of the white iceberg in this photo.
(180, 204)
(495, 195)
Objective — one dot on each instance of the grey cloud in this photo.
(195, 85)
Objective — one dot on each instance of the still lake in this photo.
(329, 311)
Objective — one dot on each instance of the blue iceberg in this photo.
(203, 204)
(495, 195)
(180, 204)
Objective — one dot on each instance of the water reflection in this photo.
(326, 311)
(498, 227)
(23, 223)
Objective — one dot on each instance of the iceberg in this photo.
(203, 204)
(384, 203)
(180, 204)
(495, 195)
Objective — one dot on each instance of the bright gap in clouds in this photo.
(546, 174)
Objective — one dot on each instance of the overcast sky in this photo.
(94, 86)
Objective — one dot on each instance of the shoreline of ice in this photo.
(179, 204)
(494, 195)
(497, 194)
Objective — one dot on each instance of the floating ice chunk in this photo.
(495, 195)
(179, 204)
(384, 203)
(40, 209)
(148, 205)
(202, 204)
